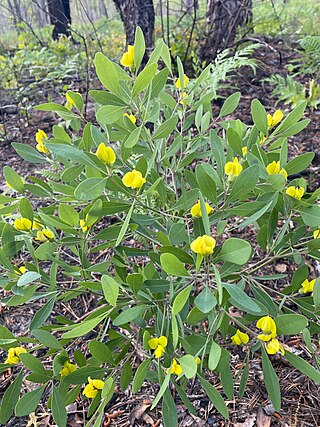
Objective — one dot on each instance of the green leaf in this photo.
(236, 251)
(90, 188)
(311, 216)
(316, 294)
(206, 182)
(144, 78)
(125, 225)
(299, 163)
(189, 365)
(162, 390)
(82, 329)
(139, 47)
(28, 153)
(81, 375)
(259, 116)
(215, 397)
(126, 375)
(169, 410)
(109, 114)
(129, 315)
(140, 375)
(165, 128)
(271, 381)
(32, 363)
(290, 324)
(59, 412)
(110, 289)
(47, 339)
(230, 104)
(303, 366)
(107, 73)
(133, 138)
(292, 118)
(180, 300)
(28, 277)
(10, 398)
(214, 355)
(69, 215)
(244, 183)
(172, 265)
(158, 82)
(205, 301)
(241, 298)
(29, 402)
(13, 178)
(100, 351)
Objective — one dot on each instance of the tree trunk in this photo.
(60, 17)
(224, 17)
(103, 8)
(137, 13)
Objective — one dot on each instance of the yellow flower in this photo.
(127, 59)
(13, 355)
(233, 169)
(70, 101)
(67, 368)
(196, 210)
(41, 136)
(185, 82)
(133, 179)
(175, 368)
(22, 224)
(93, 388)
(307, 286)
(273, 347)
(198, 360)
(274, 169)
(203, 245)
(240, 338)
(316, 234)
(275, 119)
(268, 326)
(44, 235)
(36, 225)
(244, 151)
(106, 154)
(83, 225)
(158, 345)
(21, 270)
(295, 192)
(130, 117)
(184, 96)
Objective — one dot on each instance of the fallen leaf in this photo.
(137, 412)
(281, 268)
(263, 420)
(249, 422)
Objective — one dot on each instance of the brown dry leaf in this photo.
(281, 268)
(249, 422)
(263, 420)
(137, 412)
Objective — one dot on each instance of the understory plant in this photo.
(169, 221)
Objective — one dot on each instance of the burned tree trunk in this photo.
(137, 13)
(60, 17)
(224, 17)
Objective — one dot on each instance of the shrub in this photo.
(151, 215)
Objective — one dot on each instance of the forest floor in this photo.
(301, 397)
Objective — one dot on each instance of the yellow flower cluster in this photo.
(131, 117)
(196, 210)
(70, 102)
(275, 169)
(158, 345)
(41, 136)
(44, 235)
(13, 355)
(203, 245)
(175, 368)
(295, 192)
(240, 338)
(127, 59)
(133, 179)
(185, 82)
(92, 388)
(307, 286)
(233, 169)
(269, 329)
(316, 234)
(22, 224)
(67, 368)
(105, 154)
(275, 119)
